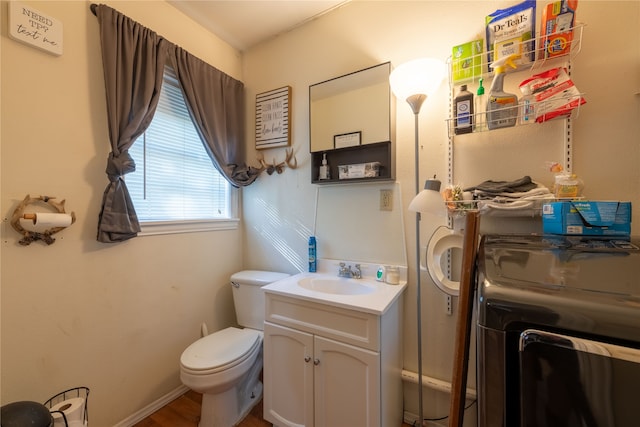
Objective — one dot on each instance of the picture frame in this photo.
(273, 118)
(350, 139)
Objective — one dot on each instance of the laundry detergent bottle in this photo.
(502, 107)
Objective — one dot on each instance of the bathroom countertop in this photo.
(377, 301)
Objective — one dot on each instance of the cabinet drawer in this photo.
(348, 326)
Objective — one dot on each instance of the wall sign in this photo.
(273, 117)
(347, 139)
(31, 27)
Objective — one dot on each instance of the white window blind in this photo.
(175, 179)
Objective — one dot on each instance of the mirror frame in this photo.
(370, 140)
(350, 96)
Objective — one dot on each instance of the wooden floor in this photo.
(185, 412)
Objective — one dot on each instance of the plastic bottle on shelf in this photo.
(480, 102)
(324, 169)
(463, 111)
(527, 108)
(502, 107)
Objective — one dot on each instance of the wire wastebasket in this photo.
(70, 408)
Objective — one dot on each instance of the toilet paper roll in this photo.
(47, 219)
(73, 410)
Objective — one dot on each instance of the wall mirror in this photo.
(342, 107)
(352, 122)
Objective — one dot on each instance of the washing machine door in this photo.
(575, 382)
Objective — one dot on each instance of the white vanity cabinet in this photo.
(328, 366)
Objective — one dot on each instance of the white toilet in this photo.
(225, 366)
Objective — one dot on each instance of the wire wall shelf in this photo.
(481, 123)
(478, 65)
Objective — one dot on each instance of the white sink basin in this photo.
(326, 287)
(336, 285)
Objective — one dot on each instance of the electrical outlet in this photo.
(449, 305)
(386, 200)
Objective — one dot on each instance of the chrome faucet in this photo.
(346, 271)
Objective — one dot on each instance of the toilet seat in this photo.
(220, 351)
(441, 241)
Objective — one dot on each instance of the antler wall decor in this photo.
(290, 160)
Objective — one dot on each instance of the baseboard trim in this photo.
(412, 419)
(152, 407)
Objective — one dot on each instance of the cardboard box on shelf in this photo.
(466, 61)
(360, 170)
(587, 218)
(558, 20)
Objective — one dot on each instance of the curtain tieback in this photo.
(119, 165)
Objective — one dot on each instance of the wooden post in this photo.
(465, 315)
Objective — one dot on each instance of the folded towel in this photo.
(520, 185)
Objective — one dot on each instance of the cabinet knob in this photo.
(316, 362)
(307, 359)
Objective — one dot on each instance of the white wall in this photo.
(113, 317)
(279, 208)
(68, 319)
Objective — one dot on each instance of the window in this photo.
(175, 186)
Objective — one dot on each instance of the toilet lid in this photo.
(219, 349)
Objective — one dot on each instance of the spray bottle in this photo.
(502, 107)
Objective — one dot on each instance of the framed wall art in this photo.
(273, 118)
(350, 139)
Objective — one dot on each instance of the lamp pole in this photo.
(415, 102)
(412, 82)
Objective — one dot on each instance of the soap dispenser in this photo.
(324, 169)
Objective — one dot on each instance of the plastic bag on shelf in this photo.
(554, 94)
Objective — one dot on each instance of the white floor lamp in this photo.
(413, 82)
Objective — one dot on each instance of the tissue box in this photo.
(360, 170)
(592, 218)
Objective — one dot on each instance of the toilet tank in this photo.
(248, 296)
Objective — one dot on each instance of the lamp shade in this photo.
(429, 200)
(417, 77)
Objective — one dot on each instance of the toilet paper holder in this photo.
(58, 407)
(56, 220)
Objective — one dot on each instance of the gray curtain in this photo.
(133, 58)
(216, 105)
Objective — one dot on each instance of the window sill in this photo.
(197, 226)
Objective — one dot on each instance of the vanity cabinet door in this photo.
(288, 379)
(346, 385)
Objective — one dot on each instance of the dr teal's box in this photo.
(592, 218)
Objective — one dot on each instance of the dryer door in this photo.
(573, 382)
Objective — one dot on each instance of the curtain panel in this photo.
(216, 105)
(133, 59)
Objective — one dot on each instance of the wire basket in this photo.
(58, 399)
